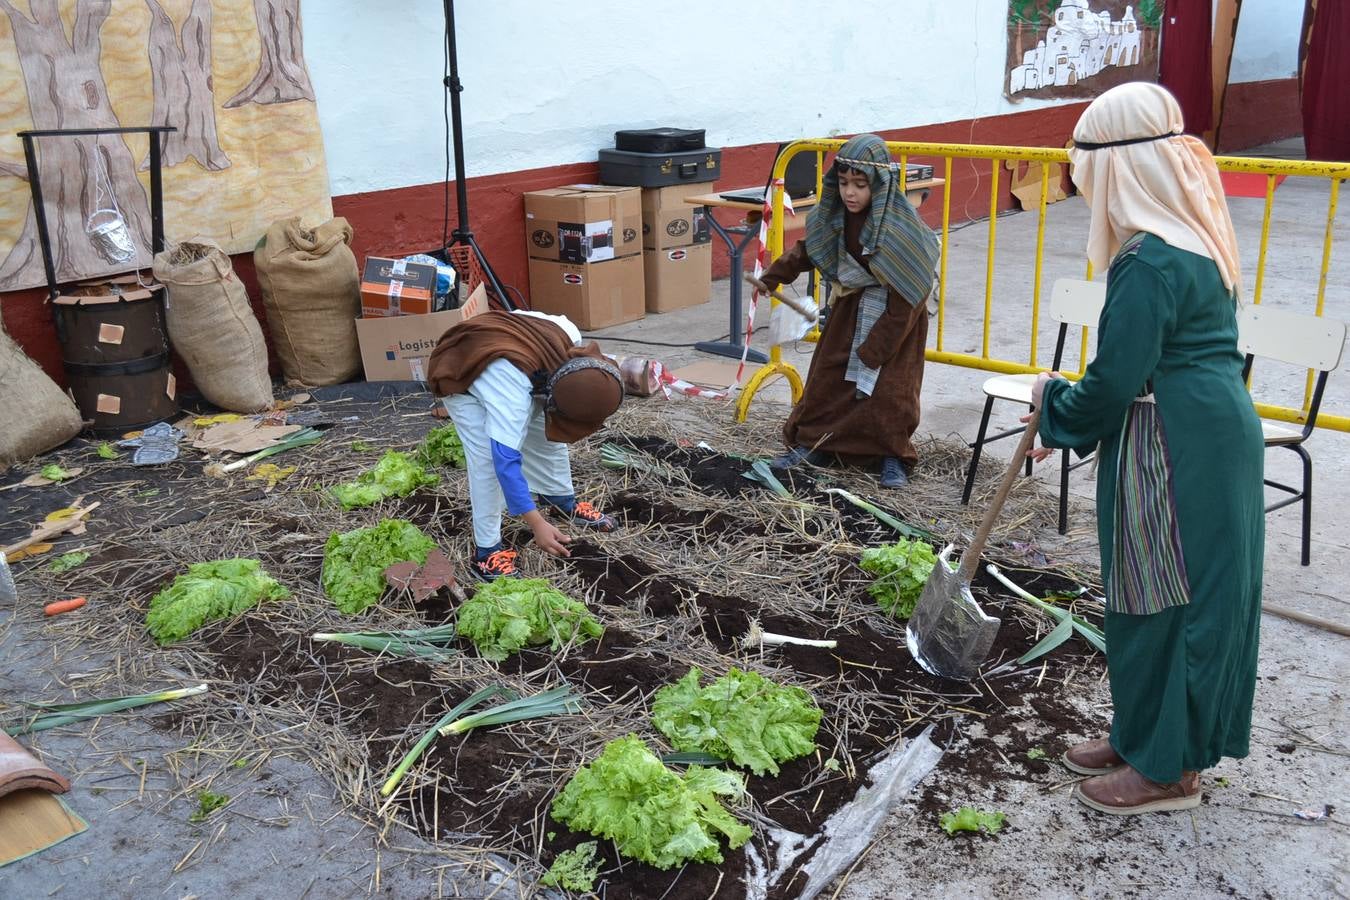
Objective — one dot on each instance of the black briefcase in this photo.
(659, 140)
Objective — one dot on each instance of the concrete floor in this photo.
(1245, 841)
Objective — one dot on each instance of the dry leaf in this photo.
(30, 550)
(62, 514)
(208, 421)
(271, 473)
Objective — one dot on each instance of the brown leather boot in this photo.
(1125, 792)
(1092, 758)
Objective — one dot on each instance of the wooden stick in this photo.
(795, 305)
(1315, 621)
(971, 558)
(52, 529)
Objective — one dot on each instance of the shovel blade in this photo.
(949, 635)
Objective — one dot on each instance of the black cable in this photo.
(615, 337)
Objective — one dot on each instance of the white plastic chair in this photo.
(1073, 302)
(1309, 342)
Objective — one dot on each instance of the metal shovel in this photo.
(949, 635)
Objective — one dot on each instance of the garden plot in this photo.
(705, 557)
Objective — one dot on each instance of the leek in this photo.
(301, 438)
(756, 637)
(425, 741)
(760, 473)
(909, 531)
(426, 643)
(555, 702)
(1089, 632)
(612, 456)
(57, 714)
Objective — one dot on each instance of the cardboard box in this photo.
(583, 223)
(667, 221)
(677, 277)
(594, 295)
(396, 348)
(393, 287)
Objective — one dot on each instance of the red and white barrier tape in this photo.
(761, 261)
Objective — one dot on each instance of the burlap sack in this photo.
(311, 291)
(212, 327)
(35, 414)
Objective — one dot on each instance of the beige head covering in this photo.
(1168, 187)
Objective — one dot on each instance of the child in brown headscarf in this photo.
(520, 388)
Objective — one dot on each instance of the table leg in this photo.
(734, 347)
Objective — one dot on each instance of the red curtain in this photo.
(1326, 75)
(1184, 68)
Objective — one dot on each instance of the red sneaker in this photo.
(499, 564)
(587, 516)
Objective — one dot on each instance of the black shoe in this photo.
(893, 474)
(795, 457)
(498, 564)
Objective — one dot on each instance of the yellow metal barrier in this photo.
(1046, 157)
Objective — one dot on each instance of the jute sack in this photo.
(212, 327)
(35, 414)
(311, 291)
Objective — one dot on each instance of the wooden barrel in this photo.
(115, 347)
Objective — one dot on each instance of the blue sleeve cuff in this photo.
(506, 463)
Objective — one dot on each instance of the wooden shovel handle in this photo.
(795, 305)
(971, 558)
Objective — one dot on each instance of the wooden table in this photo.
(916, 191)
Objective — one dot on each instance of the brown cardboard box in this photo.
(667, 221)
(593, 296)
(396, 348)
(391, 287)
(583, 223)
(677, 277)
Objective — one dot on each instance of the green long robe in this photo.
(1183, 678)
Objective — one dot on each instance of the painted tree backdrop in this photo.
(229, 74)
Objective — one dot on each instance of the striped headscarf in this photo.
(901, 251)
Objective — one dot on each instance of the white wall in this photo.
(548, 83)
(1267, 40)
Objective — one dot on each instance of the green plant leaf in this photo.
(53, 472)
(1058, 635)
(395, 475)
(510, 613)
(206, 592)
(67, 561)
(574, 870)
(442, 447)
(899, 572)
(652, 813)
(967, 818)
(106, 451)
(354, 562)
(742, 717)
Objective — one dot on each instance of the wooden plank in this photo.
(1226, 13)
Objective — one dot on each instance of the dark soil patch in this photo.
(372, 699)
(491, 789)
(637, 509)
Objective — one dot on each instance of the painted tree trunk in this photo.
(281, 76)
(183, 90)
(66, 89)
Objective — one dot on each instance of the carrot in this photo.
(60, 606)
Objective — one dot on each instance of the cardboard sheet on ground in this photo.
(709, 373)
(32, 820)
(243, 436)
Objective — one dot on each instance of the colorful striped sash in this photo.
(1148, 572)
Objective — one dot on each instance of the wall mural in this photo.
(228, 74)
(1080, 48)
